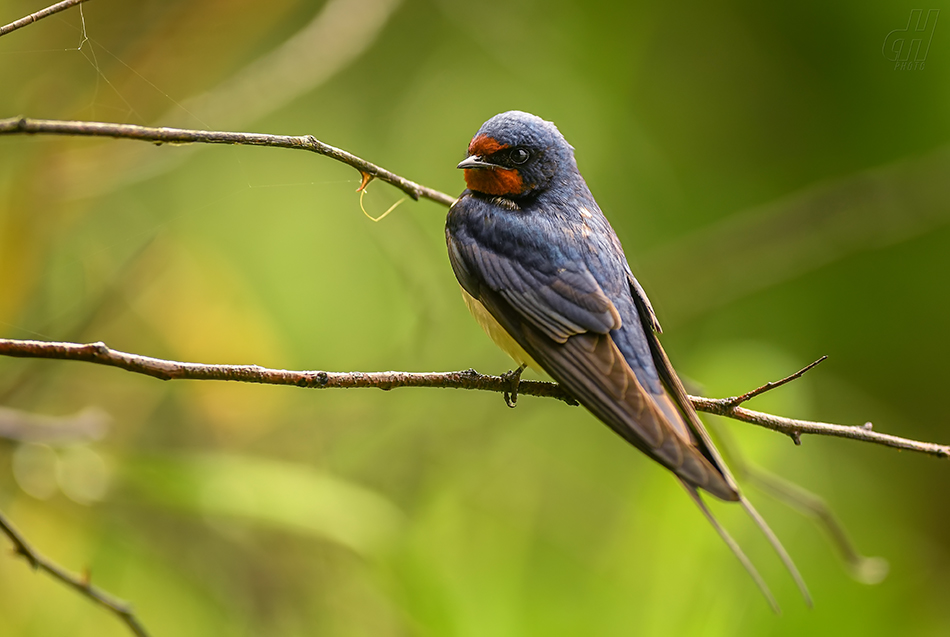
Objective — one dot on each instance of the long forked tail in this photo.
(734, 547)
(782, 553)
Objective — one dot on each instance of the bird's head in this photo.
(516, 154)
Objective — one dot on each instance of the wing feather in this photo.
(565, 321)
(559, 302)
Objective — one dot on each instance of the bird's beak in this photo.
(474, 161)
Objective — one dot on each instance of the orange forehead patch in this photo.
(483, 145)
(494, 181)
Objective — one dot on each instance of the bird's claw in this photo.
(513, 378)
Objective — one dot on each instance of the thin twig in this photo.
(865, 569)
(735, 401)
(468, 379)
(79, 582)
(39, 15)
(368, 171)
(796, 428)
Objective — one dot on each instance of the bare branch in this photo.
(174, 370)
(79, 582)
(867, 570)
(39, 15)
(468, 379)
(23, 125)
(735, 401)
(795, 428)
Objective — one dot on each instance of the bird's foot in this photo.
(513, 378)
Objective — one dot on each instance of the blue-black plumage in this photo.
(545, 274)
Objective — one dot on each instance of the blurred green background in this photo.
(781, 190)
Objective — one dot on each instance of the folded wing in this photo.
(565, 321)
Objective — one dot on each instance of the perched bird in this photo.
(545, 275)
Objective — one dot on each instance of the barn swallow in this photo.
(545, 275)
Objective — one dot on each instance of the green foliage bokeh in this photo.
(781, 190)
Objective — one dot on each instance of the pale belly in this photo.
(498, 333)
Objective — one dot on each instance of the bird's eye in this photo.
(519, 156)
